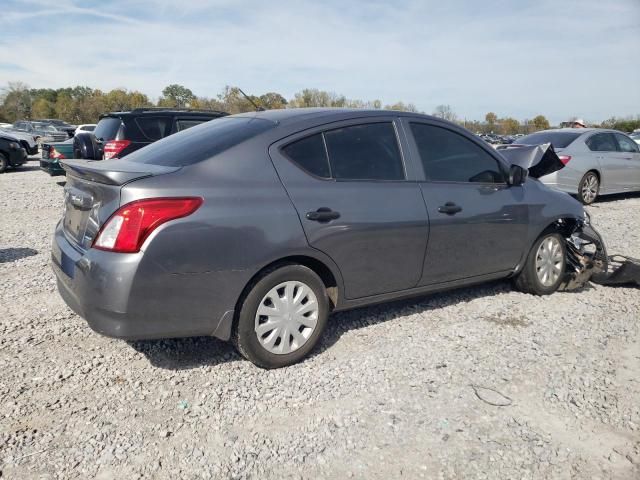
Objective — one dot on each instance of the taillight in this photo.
(564, 158)
(113, 148)
(53, 153)
(127, 229)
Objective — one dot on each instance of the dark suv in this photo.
(119, 133)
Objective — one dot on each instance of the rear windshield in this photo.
(557, 139)
(201, 142)
(107, 128)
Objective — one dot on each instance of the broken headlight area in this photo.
(586, 254)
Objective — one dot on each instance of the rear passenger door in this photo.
(477, 223)
(350, 186)
(613, 168)
(630, 156)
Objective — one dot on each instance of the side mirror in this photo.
(517, 175)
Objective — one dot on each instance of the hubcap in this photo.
(590, 188)
(549, 261)
(286, 317)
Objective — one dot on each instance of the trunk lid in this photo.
(92, 194)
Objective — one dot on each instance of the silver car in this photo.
(597, 161)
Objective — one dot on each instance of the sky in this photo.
(520, 58)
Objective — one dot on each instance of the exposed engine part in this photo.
(586, 254)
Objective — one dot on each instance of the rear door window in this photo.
(449, 157)
(154, 128)
(626, 144)
(107, 128)
(365, 152)
(602, 142)
(310, 155)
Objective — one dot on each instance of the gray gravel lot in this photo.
(400, 390)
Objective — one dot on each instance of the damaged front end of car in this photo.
(586, 258)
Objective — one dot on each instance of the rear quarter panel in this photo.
(203, 262)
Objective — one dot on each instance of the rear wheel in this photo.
(4, 163)
(588, 188)
(544, 268)
(282, 317)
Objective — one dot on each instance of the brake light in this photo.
(113, 148)
(128, 228)
(564, 158)
(53, 153)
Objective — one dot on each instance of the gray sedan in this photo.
(597, 161)
(255, 227)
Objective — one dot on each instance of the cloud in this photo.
(557, 58)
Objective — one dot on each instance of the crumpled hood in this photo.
(540, 160)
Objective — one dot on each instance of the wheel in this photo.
(588, 188)
(282, 317)
(4, 163)
(544, 268)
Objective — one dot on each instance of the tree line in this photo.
(83, 104)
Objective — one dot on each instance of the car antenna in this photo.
(258, 109)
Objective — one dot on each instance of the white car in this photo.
(87, 127)
(635, 136)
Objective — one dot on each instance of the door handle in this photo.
(323, 214)
(450, 208)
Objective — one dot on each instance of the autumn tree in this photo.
(16, 101)
(272, 100)
(540, 122)
(445, 112)
(510, 126)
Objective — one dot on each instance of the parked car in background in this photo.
(11, 152)
(5, 125)
(52, 153)
(87, 127)
(60, 125)
(597, 161)
(254, 227)
(635, 136)
(118, 134)
(26, 140)
(41, 132)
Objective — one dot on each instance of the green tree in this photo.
(175, 95)
(272, 100)
(491, 119)
(540, 122)
(42, 108)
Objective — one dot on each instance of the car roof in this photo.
(289, 115)
(577, 130)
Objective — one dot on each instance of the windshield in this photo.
(557, 139)
(201, 142)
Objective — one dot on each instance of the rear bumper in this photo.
(121, 297)
(52, 167)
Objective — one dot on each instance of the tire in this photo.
(589, 188)
(531, 279)
(270, 349)
(4, 163)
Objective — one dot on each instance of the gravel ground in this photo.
(479, 383)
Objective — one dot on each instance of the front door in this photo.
(349, 186)
(478, 224)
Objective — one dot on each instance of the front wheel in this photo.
(282, 317)
(544, 268)
(588, 188)
(4, 163)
